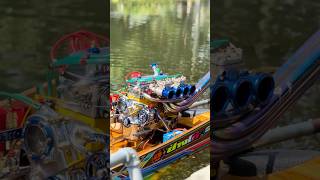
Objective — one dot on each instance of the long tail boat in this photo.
(157, 116)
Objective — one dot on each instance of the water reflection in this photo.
(174, 34)
(269, 32)
(29, 28)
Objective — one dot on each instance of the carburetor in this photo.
(160, 87)
(138, 119)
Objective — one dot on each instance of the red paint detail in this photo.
(196, 136)
(20, 109)
(149, 91)
(78, 41)
(198, 145)
(114, 97)
(134, 74)
(157, 156)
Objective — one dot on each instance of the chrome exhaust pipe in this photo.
(185, 90)
(241, 92)
(168, 92)
(178, 92)
(219, 97)
(199, 89)
(263, 87)
(192, 89)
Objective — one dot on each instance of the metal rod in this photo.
(164, 123)
(289, 132)
(129, 158)
(200, 103)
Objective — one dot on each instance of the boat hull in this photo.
(192, 141)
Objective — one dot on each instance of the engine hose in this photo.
(235, 134)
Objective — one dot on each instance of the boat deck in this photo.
(187, 121)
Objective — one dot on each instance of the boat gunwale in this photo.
(144, 152)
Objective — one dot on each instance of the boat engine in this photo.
(138, 119)
(81, 60)
(84, 87)
(150, 104)
(236, 90)
(53, 143)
